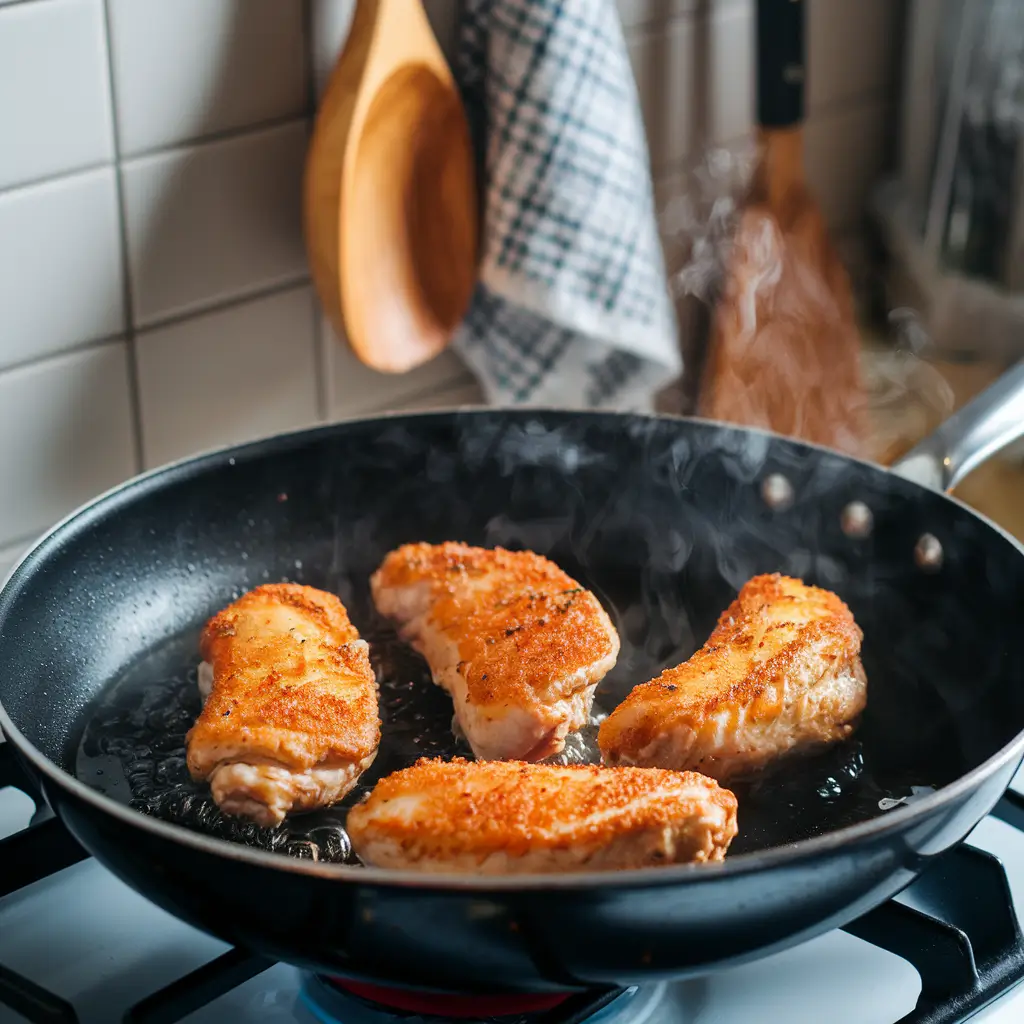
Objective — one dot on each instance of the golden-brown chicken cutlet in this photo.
(780, 672)
(515, 817)
(290, 720)
(518, 644)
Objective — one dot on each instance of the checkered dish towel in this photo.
(572, 306)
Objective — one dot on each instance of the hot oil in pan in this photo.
(133, 745)
(133, 749)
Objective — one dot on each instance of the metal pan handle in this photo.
(971, 436)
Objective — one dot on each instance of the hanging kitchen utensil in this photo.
(390, 204)
(784, 349)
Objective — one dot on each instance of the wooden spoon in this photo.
(390, 205)
(784, 352)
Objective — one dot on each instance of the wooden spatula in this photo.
(390, 203)
(784, 351)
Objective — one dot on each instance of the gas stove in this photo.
(76, 945)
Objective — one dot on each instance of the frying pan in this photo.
(664, 518)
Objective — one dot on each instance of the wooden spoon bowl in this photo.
(390, 202)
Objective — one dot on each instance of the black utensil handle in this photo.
(781, 63)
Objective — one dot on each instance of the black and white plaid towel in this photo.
(572, 307)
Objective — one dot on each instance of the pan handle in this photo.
(971, 436)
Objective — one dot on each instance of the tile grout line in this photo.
(127, 297)
(173, 320)
(176, 147)
(74, 349)
(219, 136)
(56, 176)
(224, 302)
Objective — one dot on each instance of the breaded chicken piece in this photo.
(514, 817)
(290, 720)
(780, 672)
(518, 644)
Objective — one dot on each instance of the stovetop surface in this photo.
(86, 937)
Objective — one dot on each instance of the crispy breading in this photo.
(291, 718)
(505, 817)
(780, 672)
(517, 642)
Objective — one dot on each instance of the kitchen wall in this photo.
(154, 297)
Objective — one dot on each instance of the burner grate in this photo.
(32, 1001)
(40, 850)
(195, 990)
(955, 924)
(961, 933)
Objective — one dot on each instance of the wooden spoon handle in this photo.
(780, 63)
(389, 33)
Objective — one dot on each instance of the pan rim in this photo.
(891, 822)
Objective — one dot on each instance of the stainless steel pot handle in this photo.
(971, 436)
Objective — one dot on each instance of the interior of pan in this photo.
(665, 519)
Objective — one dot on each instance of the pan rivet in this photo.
(777, 491)
(857, 520)
(928, 553)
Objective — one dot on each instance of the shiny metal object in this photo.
(856, 520)
(984, 426)
(928, 553)
(777, 492)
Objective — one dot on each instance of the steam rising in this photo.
(711, 230)
(909, 396)
(702, 221)
(665, 522)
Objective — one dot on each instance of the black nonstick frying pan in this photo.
(664, 518)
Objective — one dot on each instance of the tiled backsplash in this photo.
(154, 298)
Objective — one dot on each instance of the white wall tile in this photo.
(220, 221)
(229, 376)
(54, 89)
(216, 221)
(354, 388)
(60, 265)
(330, 22)
(71, 419)
(332, 19)
(9, 555)
(731, 71)
(845, 156)
(444, 20)
(851, 49)
(666, 75)
(194, 67)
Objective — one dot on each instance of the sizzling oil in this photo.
(133, 749)
(133, 745)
